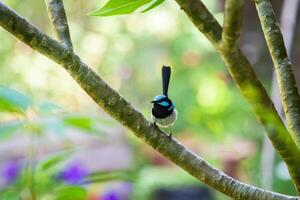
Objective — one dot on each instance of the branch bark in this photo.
(246, 79)
(233, 19)
(58, 19)
(283, 67)
(288, 19)
(126, 114)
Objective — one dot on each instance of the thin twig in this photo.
(233, 19)
(58, 18)
(126, 114)
(283, 68)
(247, 81)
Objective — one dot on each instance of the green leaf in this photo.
(13, 101)
(71, 193)
(52, 162)
(10, 194)
(80, 122)
(119, 7)
(104, 176)
(155, 4)
(9, 128)
(55, 160)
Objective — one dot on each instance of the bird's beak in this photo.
(152, 101)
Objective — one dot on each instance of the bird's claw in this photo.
(154, 124)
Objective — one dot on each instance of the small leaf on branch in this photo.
(155, 4)
(119, 7)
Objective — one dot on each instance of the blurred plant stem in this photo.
(27, 183)
(288, 21)
(119, 108)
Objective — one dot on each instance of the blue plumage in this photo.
(172, 106)
(164, 103)
(159, 97)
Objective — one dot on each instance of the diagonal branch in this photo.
(233, 19)
(283, 68)
(245, 78)
(126, 114)
(57, 15)
(288, 19)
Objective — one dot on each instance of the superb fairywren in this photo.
(163, 112)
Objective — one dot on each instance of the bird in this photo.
(164, 113)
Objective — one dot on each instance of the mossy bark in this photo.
(233, 19)
(57, 15)
(283, 68)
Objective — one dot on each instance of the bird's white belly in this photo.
(166, 122)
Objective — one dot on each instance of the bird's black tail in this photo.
(166, 73)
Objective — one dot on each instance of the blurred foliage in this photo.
(42, 181)
(13, 101)
(128, 52)
(103, 176)
(42, 184)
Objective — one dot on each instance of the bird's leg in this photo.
(155, 126)
(170, 134)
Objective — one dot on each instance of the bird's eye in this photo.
(164, 103)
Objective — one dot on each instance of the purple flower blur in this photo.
(118, 191)
(111, 195)
(11, 171)
(73, 174)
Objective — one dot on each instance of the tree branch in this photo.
(288, 19)
(58, 19)
(245, 78)
(233, 19)
(283, 67)
(126, 114)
